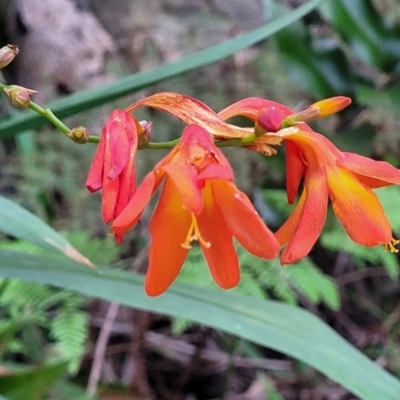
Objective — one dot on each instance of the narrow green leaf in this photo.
(32, 383)
(280, 326)
(88, 99)
(22, 224)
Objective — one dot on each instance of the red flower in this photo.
(198, 202)
(113, 168)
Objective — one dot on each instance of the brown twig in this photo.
(100, 349)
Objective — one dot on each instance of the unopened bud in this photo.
(267, 120)
(19, 95)
(79, 135)
(320, 109)
(7, 54)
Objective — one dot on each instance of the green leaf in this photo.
(88, 99)
(318, 67)
(32, 383)
(282, 327)
(365, 31)
(22, 224)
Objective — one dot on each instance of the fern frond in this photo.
(69, 328)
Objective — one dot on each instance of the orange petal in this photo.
(169, 227)
(184, 178)
(286, 231)
(243, 220)
(221, 254)
(331, 105)
(311, 219)
(358, 209)
(130, 215)
(295, 169)
(373, 173)
(191, 111)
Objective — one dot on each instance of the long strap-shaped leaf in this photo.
(21, 223)
(87, 99)
(279, 326)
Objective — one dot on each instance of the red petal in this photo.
(358, 209)
(251, 106)
(243, 220)
(168, 228)
(130, 215)
(295, 169)
(221, 255)
(109, 198)
(94, 180)
(120, 130)
(127, 187)
(311, 219)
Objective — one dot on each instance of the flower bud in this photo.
(79, 135)
(19, 95)
(320, 109)
(267, 120)
(7, 54)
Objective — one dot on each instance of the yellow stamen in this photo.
(194, 234)
(391, 246)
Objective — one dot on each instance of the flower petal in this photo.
(94, 181)
(168, 228)
(185, 180)
(221, 255)
(117, 129)
(243, 220)
(251, 106)
(311, 219)
(358, 209)
(295, 170)
(127, 184)
(373, 173)
(130, 215)
(191, 111)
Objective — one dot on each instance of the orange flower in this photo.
(198, 202)
(113, 168)
(348, 179)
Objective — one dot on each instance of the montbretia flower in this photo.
(346, 178)
(113, 168)
(198, 202)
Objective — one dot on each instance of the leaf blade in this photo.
(282, 327)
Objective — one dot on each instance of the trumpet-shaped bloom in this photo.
(198, 202)
(113, 168)
(346, 178)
